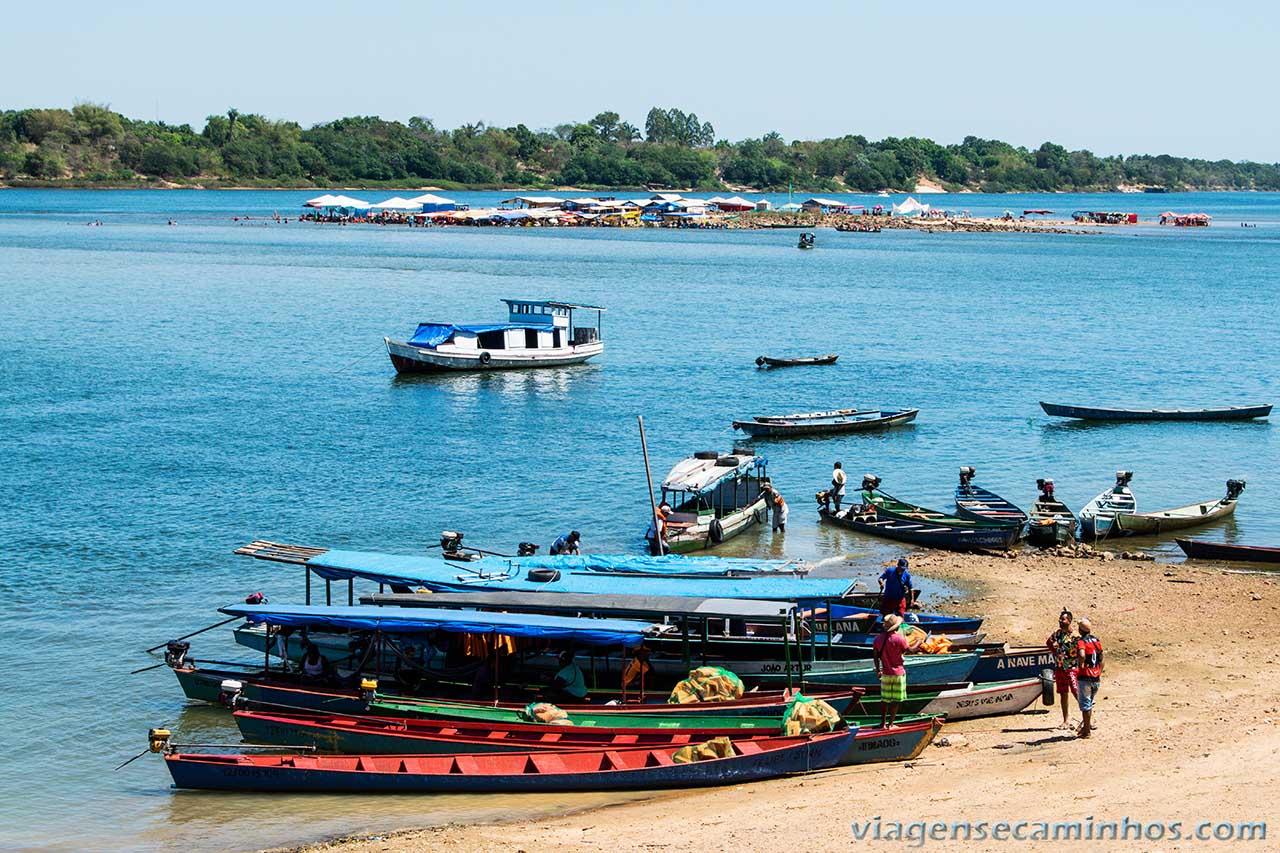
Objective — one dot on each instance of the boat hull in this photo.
(901, 743)
(798, 362)
(698, 536)
(921, 669)
(539, 772)
(1156, 523)
(785, 429)
(1011, 665)
(1085, 413)
(411, 359)
(979, 504)
(924, 534)
(1221, 551)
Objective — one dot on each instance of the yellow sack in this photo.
(707, 684)
(545, 712)
(719, 747)
(809, 716)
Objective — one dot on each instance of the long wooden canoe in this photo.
(1097, 517)
(903, 742)
(965, 702)
(994, 535)
(1199, 550)
(403, 707)
(1087, 413)
(767, 361)
(1179, 518)
(922, 533)
(980, 504)
(583, 770)
(1051, 521)
(825, 423)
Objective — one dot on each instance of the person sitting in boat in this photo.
(567, 544)
(895, 589)
(568, 685)
(315, 668)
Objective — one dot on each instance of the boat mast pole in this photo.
(655, 545)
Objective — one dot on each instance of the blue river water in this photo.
(168, 393)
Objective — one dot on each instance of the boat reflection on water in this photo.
(540, 381)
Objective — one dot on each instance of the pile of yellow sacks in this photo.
(707, 684)
(809, 716)
(719, 747)
(545, 712)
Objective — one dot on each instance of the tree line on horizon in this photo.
(91, 144)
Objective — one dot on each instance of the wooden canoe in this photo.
(980, 504)
(967, 701)
(1097, 517)
(903, 742)
(768, 361)
(824, 423)
(1086, 413)
(1051, 521)
(1179, 518)
(926, 534)
(583, 770)
(1199, 550)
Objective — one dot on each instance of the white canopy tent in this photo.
(325, 200)
(910, 207)
(348, 201)
(396, 203)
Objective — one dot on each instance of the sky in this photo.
(1189, 79)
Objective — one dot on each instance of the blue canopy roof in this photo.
(434, 334)
(512, 574)
(672, 564)
(593, 632)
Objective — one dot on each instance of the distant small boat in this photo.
(825, 423)
(981, 505)
(1098, 515)
(1085, 413)
(767, 361)
(1192, 515)
(1221, 551)
(1051, 522)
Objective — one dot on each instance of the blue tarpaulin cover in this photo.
(595, 632)
(496, 573)
(670, 564)
(434, 334)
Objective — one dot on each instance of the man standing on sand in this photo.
(1089, 661)
(895, 589)
(838, 479)
(1064, 645)
(888, 650)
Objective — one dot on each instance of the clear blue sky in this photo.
(1195, 79)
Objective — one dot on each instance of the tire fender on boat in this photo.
(760, 514)
(717, 531)
(485, 357)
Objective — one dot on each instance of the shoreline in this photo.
(1143, 611)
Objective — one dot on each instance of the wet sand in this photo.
(1188, 717)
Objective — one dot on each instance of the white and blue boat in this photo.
(536, 334)
(1099, 515)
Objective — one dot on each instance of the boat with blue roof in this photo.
(536, 334)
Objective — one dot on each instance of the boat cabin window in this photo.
(492, 340)
(531, 338)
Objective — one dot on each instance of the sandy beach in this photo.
(1188, 731)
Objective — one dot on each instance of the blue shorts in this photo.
(1087, 690)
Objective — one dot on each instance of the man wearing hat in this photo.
(895, 588)
(888, 649)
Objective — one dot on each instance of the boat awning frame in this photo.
(593, 632)
(647, 606)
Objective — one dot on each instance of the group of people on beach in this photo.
(1077, 667)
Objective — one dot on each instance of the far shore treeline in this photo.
(90, 145)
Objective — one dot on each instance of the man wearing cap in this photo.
(1089, 673)
(1065, 647)
(567, 544)
(888, 650)
(895, 589)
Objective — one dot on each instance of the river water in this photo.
(168, 393)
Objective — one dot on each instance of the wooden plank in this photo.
(276, 552)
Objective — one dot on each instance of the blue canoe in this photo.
(921, 669)
(583, 770)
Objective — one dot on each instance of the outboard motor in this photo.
(451, 542)
(1234, 488)
(870, 482)
(175, 653)
(1046, 489)
(1123, 479)
(966, 474)
(368, 689)
(526, 549)
(230, 692)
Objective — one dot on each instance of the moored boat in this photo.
(982, 505)
(923, 534)
(1199, 550)
(902, 742)
(712, 497)
(804, 361)
(1087, 413)
(1179, 518)
(823, 423)
(1097, 517)
(536, 334)
(583, 770)
(964, 702)
(1051, 521)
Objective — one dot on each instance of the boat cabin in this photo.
(531, 325)
(708, 485)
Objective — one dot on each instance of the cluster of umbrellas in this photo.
(416, 204)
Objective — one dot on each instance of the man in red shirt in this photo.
(1089, 673)
(888, 650)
